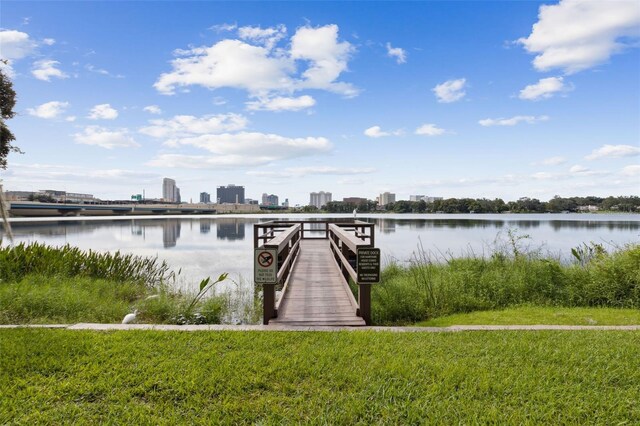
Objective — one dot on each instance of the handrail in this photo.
(350, 240)
(282, 239)
(287, 246)
(345, 238)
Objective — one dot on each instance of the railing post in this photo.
(269, 302)
(364, 302)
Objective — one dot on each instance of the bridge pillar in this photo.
(364, 302)
(269, 302)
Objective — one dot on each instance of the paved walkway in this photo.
(453, 328)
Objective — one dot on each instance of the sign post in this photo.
(368, 265)
(265, 272)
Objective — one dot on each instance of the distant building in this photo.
(170, 192)
(386, 198)
(425, 198)
(205, 197)
(354, 200)
(19, 195)
(231, 194)
(67, 197)
(319, 199)
(269, 200)
(250, 201)
(286, 203)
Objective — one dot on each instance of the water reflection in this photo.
(231, 229)
(170, 233)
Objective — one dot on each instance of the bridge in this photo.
(315, 265)
(35, 208)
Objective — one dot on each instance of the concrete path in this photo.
(453, 328)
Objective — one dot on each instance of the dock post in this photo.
(269, 302)
(364, 302)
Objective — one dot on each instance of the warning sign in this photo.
(265, 270)
(368, 265)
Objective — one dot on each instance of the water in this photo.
(201, 246)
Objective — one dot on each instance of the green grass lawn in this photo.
(143, 377)
(532, 315)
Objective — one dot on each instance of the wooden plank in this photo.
(316, 292)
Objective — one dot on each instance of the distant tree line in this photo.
(482, 205)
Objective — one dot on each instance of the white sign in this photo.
(265, 266)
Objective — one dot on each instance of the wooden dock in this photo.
(314, 267)
(317, 293)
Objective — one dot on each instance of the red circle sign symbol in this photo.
(265, 259)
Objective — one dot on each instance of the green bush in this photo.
(427, 289)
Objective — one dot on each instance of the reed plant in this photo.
(433, 287)
(45, 284)
(22, 259)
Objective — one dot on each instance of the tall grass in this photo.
(44, 284)
(21, 260)
(427, 289)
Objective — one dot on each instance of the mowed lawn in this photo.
(147, 377)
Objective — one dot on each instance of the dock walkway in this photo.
(317, 293)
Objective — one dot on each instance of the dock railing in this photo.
(345, 238)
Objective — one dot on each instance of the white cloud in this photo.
(545, 88)
(397, 52)
(376, 132)
(152, 109)
(103, 112)
(327, 58)
(281, 104)
(613, 151)
(574, 35)
(554, 161)
(429, 130)
(633, 170)
(188, 125)
(223, 27)
(313, 170)
(15, 45)
(450, 90)
(267, 37)
(49, 109)
(263, 71)
(542, 176)
(578, 169)
(105, 138)
(530, 119)
(228, 63)
(93, 69)
(44, 69)
(70, 118)
(240, 150)
(49, 41)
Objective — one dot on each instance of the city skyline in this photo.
(448, 99)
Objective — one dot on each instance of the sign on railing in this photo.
(265, 266)
(368, 265)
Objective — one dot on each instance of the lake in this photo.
(201, 246)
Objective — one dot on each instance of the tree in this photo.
(7, 102)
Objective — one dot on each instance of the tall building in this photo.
(425, 198)
(170, 192)
(205, 197)
(319, 199)
(354, 200)
(269, 200)
(230, 194)
(386, 198)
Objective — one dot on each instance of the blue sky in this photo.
(452, 99)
